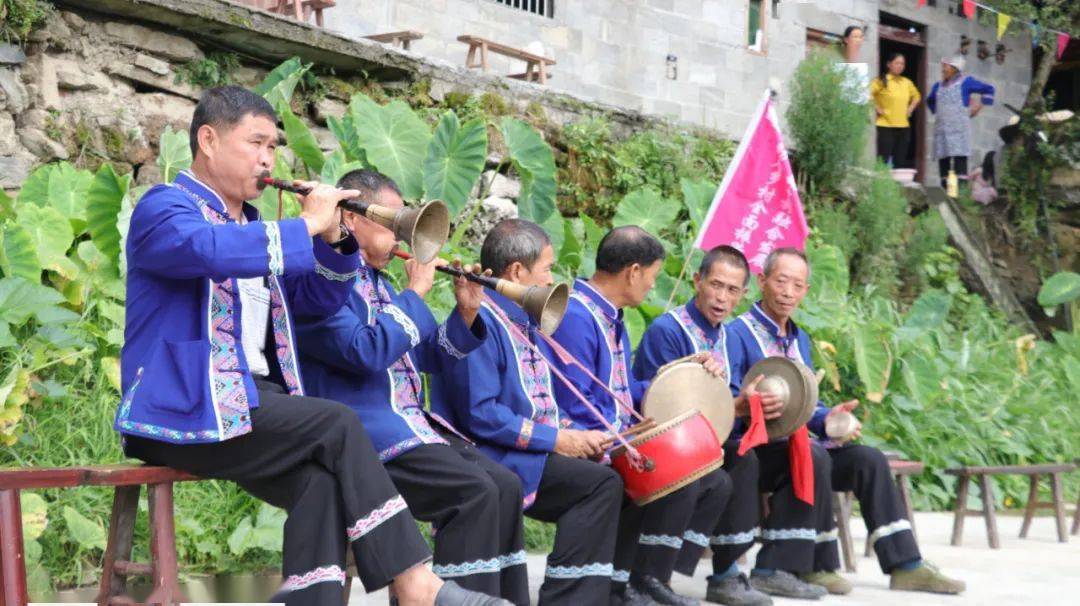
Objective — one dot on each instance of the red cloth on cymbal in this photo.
(802, 465)
(756, 434)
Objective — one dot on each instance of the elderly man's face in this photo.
(237, 156)
(785, 286)
(540, 272)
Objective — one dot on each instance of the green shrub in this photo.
(828, 131)
(19, 17)
(880, 212)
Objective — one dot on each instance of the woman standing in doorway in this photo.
(955, 101)
(895, 98)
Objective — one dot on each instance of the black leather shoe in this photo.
(452, 594)
(661, 593)
(632, 596)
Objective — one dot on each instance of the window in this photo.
(544, 8)
(755, 25)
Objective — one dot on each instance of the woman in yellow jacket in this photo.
(895, 98)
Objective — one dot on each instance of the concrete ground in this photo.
(1037, 570)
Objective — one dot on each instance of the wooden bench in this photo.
(128, 481)
(401, 39)
(535, 65)
(301, 9)
(843, 501)
(983, 474)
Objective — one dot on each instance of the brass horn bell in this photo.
(425, 229)
(545, 305)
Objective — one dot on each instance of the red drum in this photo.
(678, 452)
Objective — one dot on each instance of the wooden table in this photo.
(402, 38)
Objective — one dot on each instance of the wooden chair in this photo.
(535, 65)
(127, 481)
(401, 39)
(301, 9)
(982, 474)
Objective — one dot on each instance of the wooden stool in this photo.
(983, 475)
(402, 39)
(842, 511)
(301, 9)
(128, 481)
(901, 470)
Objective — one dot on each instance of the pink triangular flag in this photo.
(1063, 42)
(969, 9)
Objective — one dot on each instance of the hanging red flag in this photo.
(1063, 42)
(969, 9)
(922, 3)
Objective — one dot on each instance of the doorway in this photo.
(898, 35)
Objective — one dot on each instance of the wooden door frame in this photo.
(918, 39)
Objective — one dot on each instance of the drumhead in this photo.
(795, 385)
(685, 385)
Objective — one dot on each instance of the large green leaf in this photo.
(535, 165)
(34, 511)
(174, 153)
(67, 193)
(301, 141)
(123, 222)
(86, 533)
(7, 206)
(20, 299)
(52, 237)
(455, 159)
(1062, 287)
(830, 272)
(647, 209)
(697, 196)
(18, 257)
(928, 313)
(35, 189)
(873, 360)
(345, 133)
(394, 140)
(103, 203)
(279, 84)
(337, 165)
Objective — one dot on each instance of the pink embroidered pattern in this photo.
(372, 521)
(770, 345)
(279, 318)
(534, 375)
(322, 574)
(700, 340)
(525, 435)
(619, 382)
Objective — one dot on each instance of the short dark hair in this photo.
(626, 245)
(225, 106)
(725, 254)
(770, 261)
(510, 241)
(851, 28)
(368, 182)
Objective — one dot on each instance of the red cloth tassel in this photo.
(756, 434)
(802, 465)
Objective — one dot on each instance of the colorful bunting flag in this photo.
(969, 9)
(1003, 24)
(922, 3)
(1062, 42)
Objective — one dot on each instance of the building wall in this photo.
(615, 51)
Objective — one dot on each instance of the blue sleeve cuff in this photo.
(816, 424)
(457, 339)
(333, 265)
(289, 247)
(537, 436)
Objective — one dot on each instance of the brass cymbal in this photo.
(797, 388)
(684, 385)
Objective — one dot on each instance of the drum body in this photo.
(680, 450)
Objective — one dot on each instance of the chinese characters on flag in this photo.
(757, 207)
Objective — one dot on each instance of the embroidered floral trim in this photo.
(512, 559)
(524, 435)
(406, 323)
(322, 574)
(660, 540)
(444, 341)
(403, 446)
(825, 537)
(273, 248)
(788, 534)
(621, 576)
(464, 569)
(534, 375)
(739, 538)
(330, 274)
(696, 538)
(596, 569)
(889, 529)
(698, 338)
(372, 521)
(619, 379)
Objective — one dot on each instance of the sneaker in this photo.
(925, 578)
(661, 593)
(786, 585)
(631, 596)
(829, 579)
(736, 591)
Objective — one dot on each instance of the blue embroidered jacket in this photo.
(501, 395)
(753, 336)
(369, 355)
(184, 375)
(969, 86)
(593, 332)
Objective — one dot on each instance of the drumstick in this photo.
(641, 427)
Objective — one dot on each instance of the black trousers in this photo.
(582, 498)
(796, 537)
(892, 145)
(956, 163)
(313, 458)
(474, 505)
(737, 525)
(864, 471)
(651, 537)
